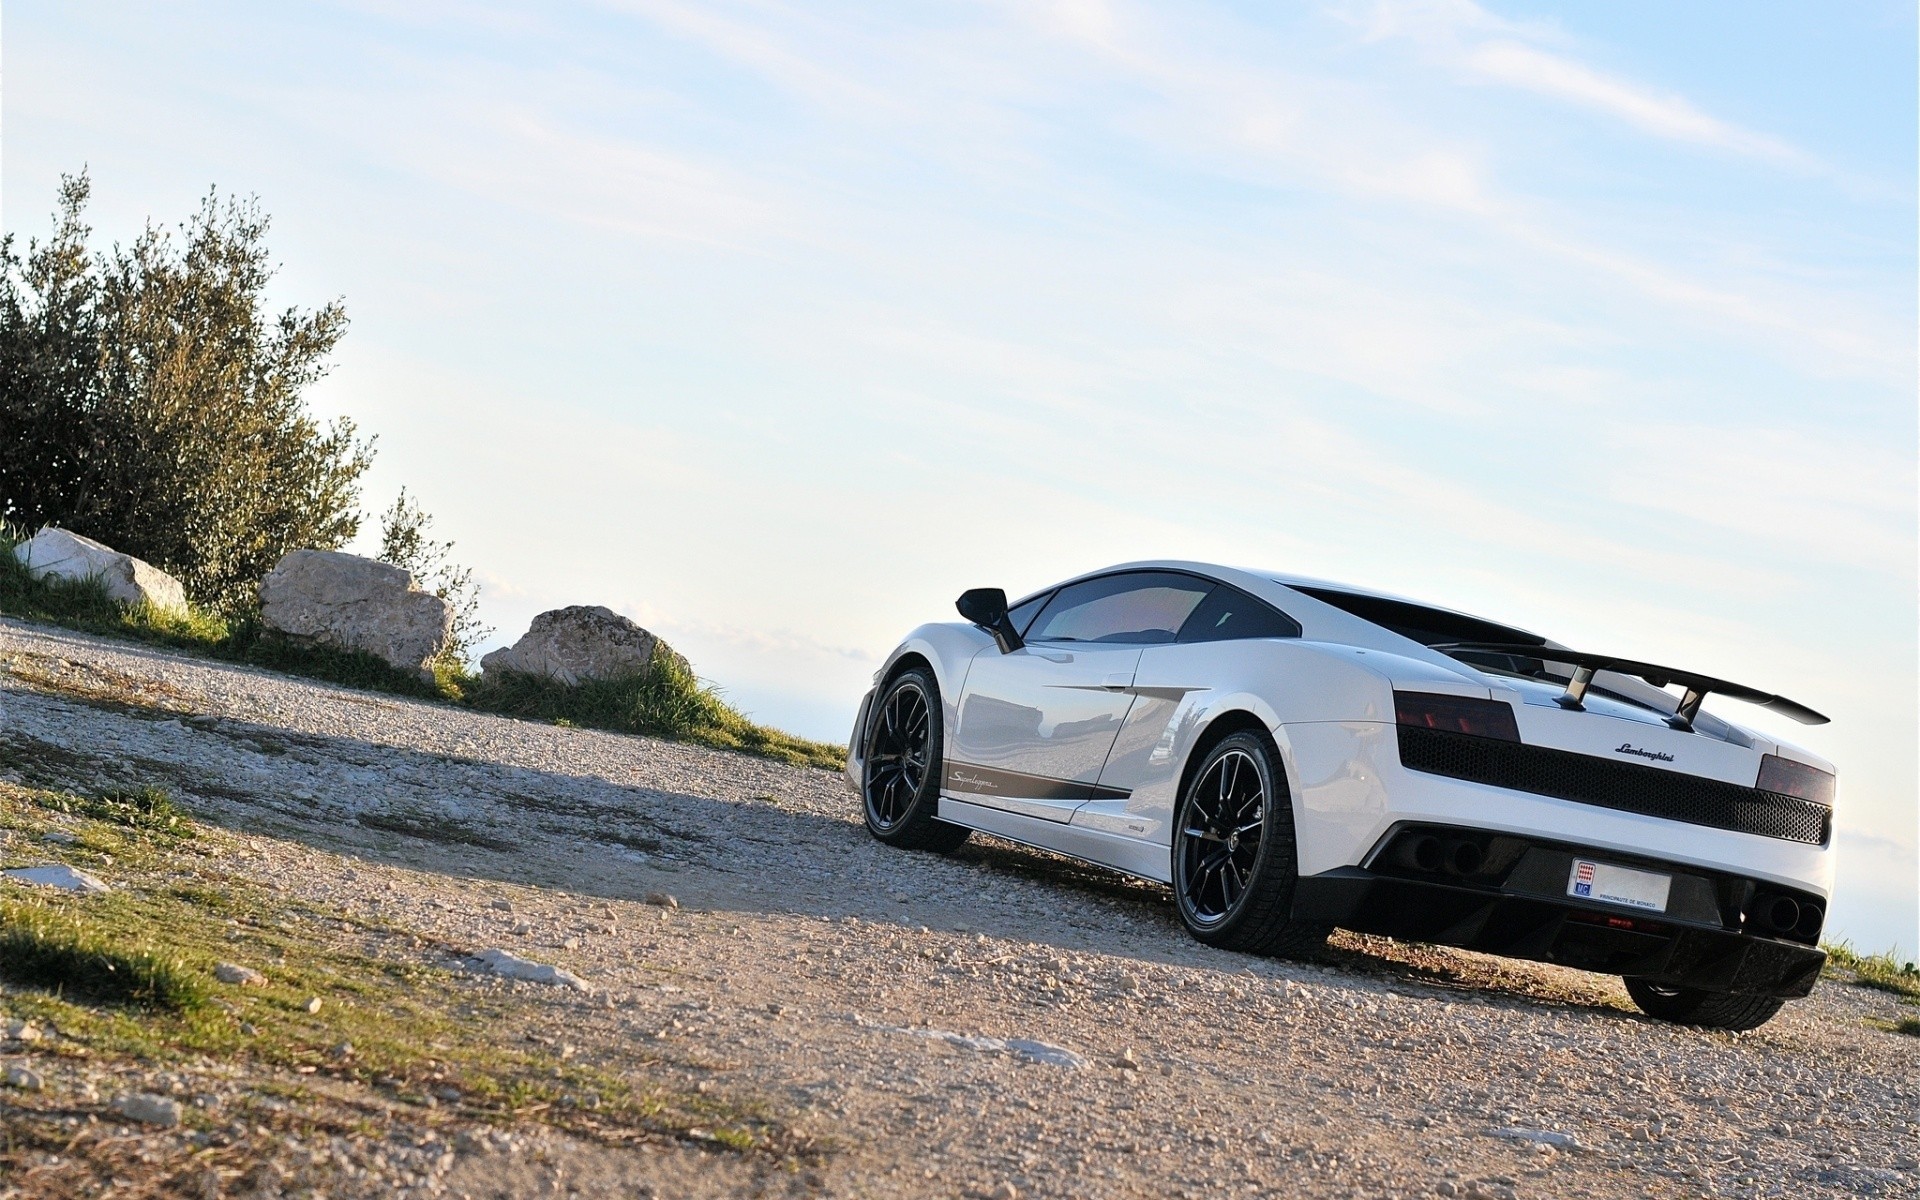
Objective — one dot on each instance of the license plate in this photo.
(1619, 885)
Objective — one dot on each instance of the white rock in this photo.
(325, 597)
(512, 966)
(55, 553)
(22, 1031)
(579, 643)
(58, 875)
(227, 972)
(24, 1079)
(149, 1109)
(1543, 1137)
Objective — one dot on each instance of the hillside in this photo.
(810, 1013)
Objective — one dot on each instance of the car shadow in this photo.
(492, 822)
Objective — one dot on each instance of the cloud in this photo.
(1471, 39)
(1663, 114)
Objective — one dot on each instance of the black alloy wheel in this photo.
(901, 767)
(1234, 864)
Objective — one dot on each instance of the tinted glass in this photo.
(1229, 614)
(1023, 613)
(1141, 607)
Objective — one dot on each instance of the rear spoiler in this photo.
(1585, 665)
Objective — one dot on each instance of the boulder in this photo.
(325, 597)
(580, 643)
(56, 554)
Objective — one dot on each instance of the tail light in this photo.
(1456, 714)
(1790, 778)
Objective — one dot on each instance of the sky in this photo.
(775, 326)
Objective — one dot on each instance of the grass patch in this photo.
(667, 702)
(1882, 971)
(128, 976)
(147, 809)
(63, 954)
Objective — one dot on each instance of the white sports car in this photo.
(1291, 755)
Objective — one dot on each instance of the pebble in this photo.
(662, 900)
(24, 1078)
(149, 1109)
(313, 1005)
(227, 972)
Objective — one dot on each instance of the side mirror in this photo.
(987, 608)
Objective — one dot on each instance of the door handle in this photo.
(1117, 682)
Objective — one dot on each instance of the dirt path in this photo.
(998, 1021)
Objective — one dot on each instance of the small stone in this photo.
(503, 904)
(522, 928)
(313, 1005)
(776, 1009)
(512, 966)
(24, 1079)
(22, 1031)
(662, 900)
(343, 1050)
(447, 1093)
(227, 972)
(149, 1109)
(58, 875)
(249, 1029)
(572, 943)
(60, 837)
(1126, 1061)
(1004, 1191)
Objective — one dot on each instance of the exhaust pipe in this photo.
(1777, 914)
(1421, 853)
(1465, 858)
(1812, 916)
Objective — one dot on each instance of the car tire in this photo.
(1233, 891)
(1695, 1006)
(900, 767)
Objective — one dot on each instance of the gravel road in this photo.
(1000, 1022)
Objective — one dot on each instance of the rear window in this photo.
(1428, 626)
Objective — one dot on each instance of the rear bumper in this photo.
(1499, 920)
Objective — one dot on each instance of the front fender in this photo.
(948, 648)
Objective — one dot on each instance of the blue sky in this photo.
(775, 326)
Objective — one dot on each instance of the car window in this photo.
(1229, 614)
(1139, 607)
(1023, 613)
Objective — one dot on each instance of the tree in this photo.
(149, 400)
(404, 543)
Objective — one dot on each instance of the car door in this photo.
(1035, 726)
(1167, 682)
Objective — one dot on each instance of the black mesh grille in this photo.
(1627, 786)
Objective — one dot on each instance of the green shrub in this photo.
(151, 400)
